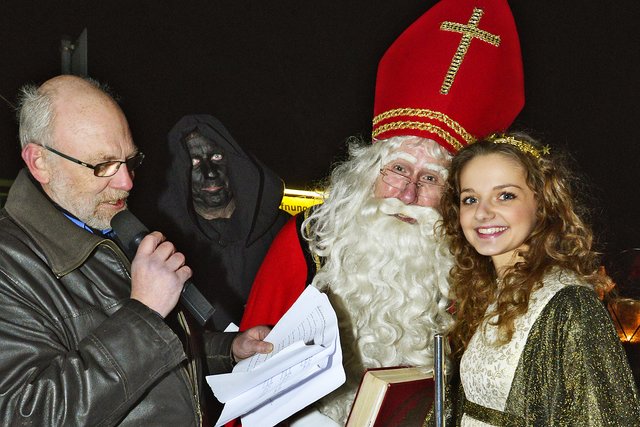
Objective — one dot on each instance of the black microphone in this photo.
(129, 233)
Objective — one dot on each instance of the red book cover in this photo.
(398, 396)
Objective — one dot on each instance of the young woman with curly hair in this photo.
(534, 344)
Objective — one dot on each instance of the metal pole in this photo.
(438, 376)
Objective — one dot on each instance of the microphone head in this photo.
(129, 231)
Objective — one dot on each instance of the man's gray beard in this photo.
(388, 286)
(87, 211)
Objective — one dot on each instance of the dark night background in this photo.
(292, 80)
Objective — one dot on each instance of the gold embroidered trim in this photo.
(469, 32)
(430, 114)
(523, 146)
(492, 416)
(419, 126)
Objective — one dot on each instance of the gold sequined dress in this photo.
(563, 367)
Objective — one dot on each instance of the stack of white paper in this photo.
(305, 365)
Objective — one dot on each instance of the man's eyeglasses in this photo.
(425, 189)
(104, 169)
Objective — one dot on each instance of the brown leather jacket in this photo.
(75, 349)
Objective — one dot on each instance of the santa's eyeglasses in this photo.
(104, 169)
(424, 188)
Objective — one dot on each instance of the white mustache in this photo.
(422, 214)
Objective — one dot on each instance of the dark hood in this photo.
(257, 190)
(225, 254)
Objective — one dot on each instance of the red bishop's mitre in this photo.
(455, 75)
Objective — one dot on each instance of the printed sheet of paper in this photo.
(305, 365)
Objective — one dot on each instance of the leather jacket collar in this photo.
(65, 245)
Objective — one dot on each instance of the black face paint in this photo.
(209, 174)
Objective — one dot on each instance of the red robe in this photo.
(286, 270)
(284, 273)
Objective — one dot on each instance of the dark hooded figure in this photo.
(220, 207)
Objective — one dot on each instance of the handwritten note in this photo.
(305, 365)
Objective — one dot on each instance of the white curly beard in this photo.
(387, 280)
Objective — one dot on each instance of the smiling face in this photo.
(412, 175)
(89, 126)
(497, 207)
(210, 188)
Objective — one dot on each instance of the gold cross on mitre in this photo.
(469, 32)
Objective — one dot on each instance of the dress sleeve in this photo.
(573, 370)
(280, 280)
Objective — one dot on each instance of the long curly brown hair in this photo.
(560, 238)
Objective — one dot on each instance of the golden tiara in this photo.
(523, 146)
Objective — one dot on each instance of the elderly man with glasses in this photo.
(89, 338)
(372, 247)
